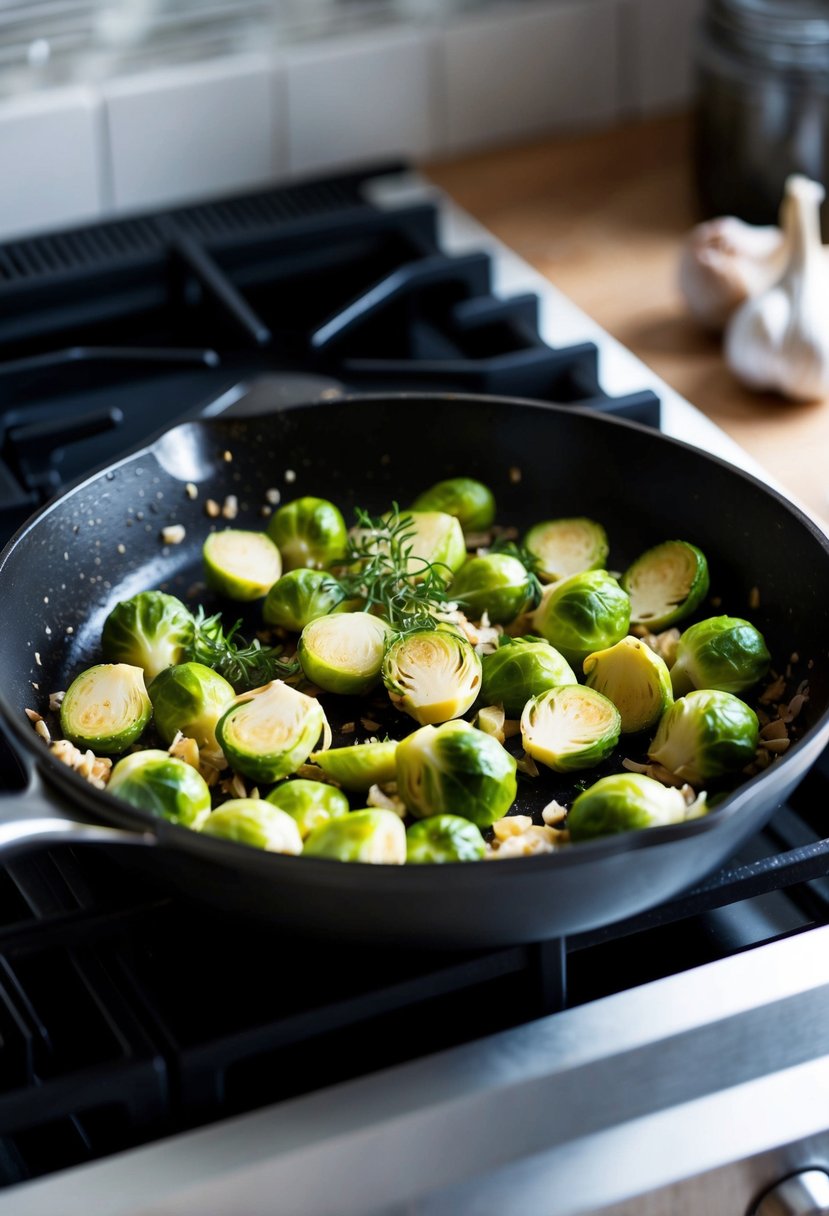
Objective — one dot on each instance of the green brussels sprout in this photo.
(635, 679)
(706, 734)
(497, 584)
(344, 652)
(470, 501)
(310, 532)
(158, 782)
(241, 565)
(434, 540)
(151, 630)
(376, 837)
(106, 708)
(625, 802)
(432, 675)
(359, 767)
(442, 838)
(522, 668)
(564, 547)
(190, 698)
(455, 769)
(309, 803)
(267, 733)
(256, 823)
(301, 596)
(666, 584)
(584, 613)
(570, 728)
(722, 652)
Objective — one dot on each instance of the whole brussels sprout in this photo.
(152, 630)
(359, 767)
(570, 728)
(497, 584)
(567, 546)
(190, 698)
(442, 838)
(310, 532)
(625, 802)
(309, 803)
(722, 652)
(635, 679)
(666, 584)
(301, 596)
(432, 675)
(585, 612)
(376, 837)
(267, 733)
(470, 501)
(106, 708)
(158, 782)
(256, 823)
(432, 542)
(241, 565)
(455, 769)
(706, 734)
(522, 668)
(343, 653)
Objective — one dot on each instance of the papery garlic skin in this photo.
(779, 340)
(724, 262)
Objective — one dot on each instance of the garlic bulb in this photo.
(725, 262)
(780, 338)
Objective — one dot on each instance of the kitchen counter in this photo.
(602, 216)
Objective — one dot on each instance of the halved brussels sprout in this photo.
(584, 613)
(241, 565)
(267, 733)
(470, 501)
(570, 728)
(310, 532)
(343, 653)
(567, 546)
(432, 675)
(301, 596)
(722, 652)
(625, 802)
(455, 769)
(497, 584)
(706, 734)
(309, 803)
(376, 837)
(190, 698)
(666, 584)
(522, 668)
(635, 679)
(359, 767)
(158, 782)
(254, 822)
(106, 708)
(151, 630)
(442, 838)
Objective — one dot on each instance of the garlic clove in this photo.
(724, 262)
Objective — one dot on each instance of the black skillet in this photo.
(63, 572)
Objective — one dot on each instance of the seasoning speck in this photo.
(230, 507)
(174, 534)
(272, 496)
(69, 629)
(212, 508)
(48, 631)
(227, 457)
(515, 475)
(191, 490)
(290, 476)
(754, 597)
(121, 549)
(266, 511)
(37, 658)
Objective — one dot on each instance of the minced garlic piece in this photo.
(386, 798)
(511, 825)
(553, 813)
(173, 534)
(212, 508)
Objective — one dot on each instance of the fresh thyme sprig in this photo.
(242, 665)
(530, 563)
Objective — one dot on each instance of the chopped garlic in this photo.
(191, 490)
(511, 825)
(386, 798)
(173, 534)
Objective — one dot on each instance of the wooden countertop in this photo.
(602, 216)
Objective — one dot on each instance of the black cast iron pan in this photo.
(63, 572)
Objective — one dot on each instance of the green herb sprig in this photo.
(528, 560)
(243, 665)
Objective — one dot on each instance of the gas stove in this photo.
(151, 1061)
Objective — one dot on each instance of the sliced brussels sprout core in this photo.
(457, 770)
(704, 735)
(373, 836)
(344, 652)
(269, 732)
(190, 698)
(470, 501)
(301, 596)
(635, 679)
(584, 613)
(722, 652)
(567, 546)
(443, 838)
(309, 803)
(310, 532)
(160, 783)
(626, 802)
(361, 766)
(520, 669)
(666, 584)
(241, 565)
(254, 822)
(570, 728)
(106, 708)
(497, 584)
(152, 630)
(432, 675)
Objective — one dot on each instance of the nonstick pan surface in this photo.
(100, 543)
